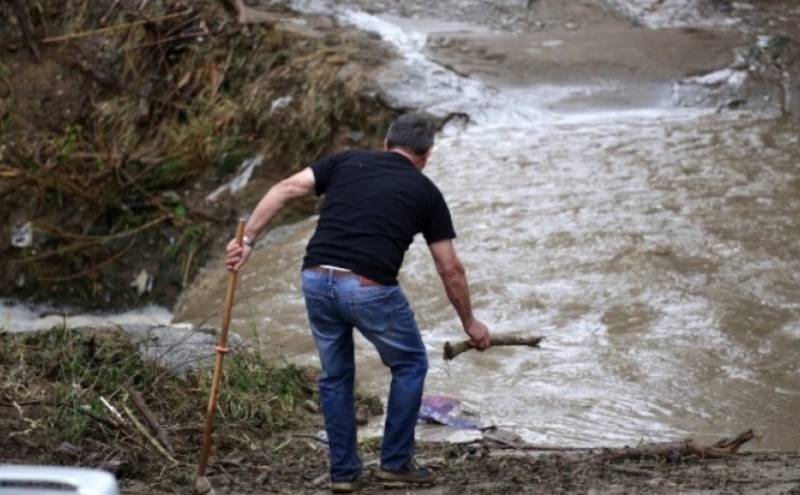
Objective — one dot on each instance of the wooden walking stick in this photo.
(201, 483)
(454, 349)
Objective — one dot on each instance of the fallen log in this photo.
(451, 350)
(673, 451)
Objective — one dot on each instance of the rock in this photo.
(22, 237)
(182, 349)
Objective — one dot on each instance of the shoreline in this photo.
(264, 449)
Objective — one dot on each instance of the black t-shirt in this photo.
(375, 203)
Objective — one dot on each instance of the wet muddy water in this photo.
(657, 255)
(655, 246)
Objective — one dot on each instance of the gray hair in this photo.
(411, 131)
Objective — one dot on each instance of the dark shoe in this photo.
(346, 486)
(412, 474)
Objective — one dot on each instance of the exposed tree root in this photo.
(673, 451)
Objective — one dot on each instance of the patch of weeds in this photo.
(370, 445)
(191, 236)
(266, 396)
(69, 142)
(69, 372)
(75, 369)
(171, 173)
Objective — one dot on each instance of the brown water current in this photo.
(656, 248)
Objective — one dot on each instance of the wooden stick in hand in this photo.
(451, 350)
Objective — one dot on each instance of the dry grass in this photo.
(54, 385)
(111, 142)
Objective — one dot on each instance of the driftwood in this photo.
(150, 419)
(452, 350)
(140, 427)
(677, 450)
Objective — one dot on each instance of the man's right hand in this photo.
(238, 255)
(479, 336)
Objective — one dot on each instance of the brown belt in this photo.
(363, 281)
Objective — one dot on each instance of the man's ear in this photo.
(427, 156)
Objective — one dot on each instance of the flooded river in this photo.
(653, 243)
(628, 193)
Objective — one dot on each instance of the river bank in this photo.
(131, 138)
(84, 397)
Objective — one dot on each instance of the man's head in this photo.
(413, 134)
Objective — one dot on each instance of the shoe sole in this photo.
(344, 489)
(399, 478)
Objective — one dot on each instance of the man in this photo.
(375, 203)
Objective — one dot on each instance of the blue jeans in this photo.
(381, 313)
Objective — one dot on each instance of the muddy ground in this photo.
(55, 386)
(295, 463)
(485, 470)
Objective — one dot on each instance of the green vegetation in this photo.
(54, 383)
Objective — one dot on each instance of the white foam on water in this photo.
(17, 317)
(417, 81)
(672, 13)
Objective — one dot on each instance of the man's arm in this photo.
(454, 277)
(299, 184)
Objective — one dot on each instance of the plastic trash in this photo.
(444, 410)
(22, 237)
